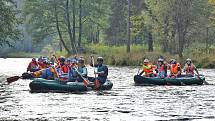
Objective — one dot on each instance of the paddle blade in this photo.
(97, 84)
(13, 79)
(85, 82)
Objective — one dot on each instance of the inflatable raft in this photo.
(43, 85)
(140, 80)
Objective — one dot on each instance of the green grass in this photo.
(117, 55)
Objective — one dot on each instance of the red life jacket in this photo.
(32, 65)
(64, 69)
(189, 69)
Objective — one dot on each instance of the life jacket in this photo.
(72, 73)
(32, 66)
(64, 69)
(148, 71)
(174, 69)
(49, 73)
(54, 71)
(83, 70)
(162, 70)
(189, 69)
(41, 65)
(37, 73)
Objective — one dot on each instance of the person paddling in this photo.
(33, 66)
(72, 74)
(148, 69)
(101, 71)
(82, 70)
(189, 68)
(175, 69)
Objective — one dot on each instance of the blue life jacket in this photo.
(72, 74)
(83, 71)
(47, 74)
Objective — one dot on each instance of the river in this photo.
(124, 102)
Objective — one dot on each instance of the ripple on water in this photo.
(124, 102)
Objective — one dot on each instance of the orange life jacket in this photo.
(148, 71)
(39, 73)
(174, 69)
(54, 71)
(189, 69)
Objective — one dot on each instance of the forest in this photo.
(124, 32)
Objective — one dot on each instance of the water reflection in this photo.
(124, 102)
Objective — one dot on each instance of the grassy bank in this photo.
(117, 55)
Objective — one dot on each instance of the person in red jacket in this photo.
(33, 66)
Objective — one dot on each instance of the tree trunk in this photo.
(98, 34)
(206, 41)
(58, 30)
(60, 45)
(165, 47)
(129, 31)
(80, 23)
(69, 28)
(73, 14)
(150, 42)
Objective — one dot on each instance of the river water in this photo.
(124, 102)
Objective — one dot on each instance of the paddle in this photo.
(13, 79)
(138, 71)
(85, 81)
(205, 82)
(96, 82)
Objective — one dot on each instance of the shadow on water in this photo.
(124, 102)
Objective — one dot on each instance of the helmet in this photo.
(73, 60)
(81, 60)
(68, 60)
(146, 60)
(189, 60)
(62, 59)
(47, 62)
(100, 59)
(33, 59)
(160, 60)
(173, 61)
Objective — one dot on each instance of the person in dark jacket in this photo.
(101, 70)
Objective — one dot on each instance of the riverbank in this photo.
(117, 55)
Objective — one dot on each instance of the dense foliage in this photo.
(9, 21)
(176, 27)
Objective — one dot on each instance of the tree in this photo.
(9, 21)
(60, 19)
(129, 26)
